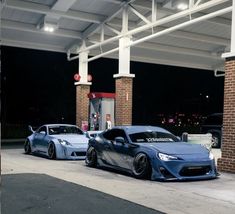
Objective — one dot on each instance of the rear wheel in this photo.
(141, 166)
(52, 151)
(27, 147)
(91, 157)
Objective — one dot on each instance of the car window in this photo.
(54, 130)
(112, 134)
(149, 137)
(43, 128)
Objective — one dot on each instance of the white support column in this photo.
(125, 20)
(124, 49)
(83, 66)
(227, 161)
(124, 80)
(233, 30)
(154, 10)
(102, 34)
(124, 56)
(232, 47)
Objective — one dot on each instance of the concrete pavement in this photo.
(211, 196)
(51, 195)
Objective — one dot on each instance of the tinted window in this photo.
(112, 134)
(149, 137)
(53, 130)
(43, 128)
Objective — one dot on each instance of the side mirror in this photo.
(43, 132)
(31, 129)
(87, 135)
(120, 140)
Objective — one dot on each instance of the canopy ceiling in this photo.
(199, 45)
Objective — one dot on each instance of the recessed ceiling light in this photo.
(182, 6)
(48, 28)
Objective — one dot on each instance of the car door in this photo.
(117, 154)
(124, 152)
(107, 152)
(40, 139)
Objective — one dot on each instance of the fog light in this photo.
(166, 173)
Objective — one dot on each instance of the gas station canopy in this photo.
(189, 33)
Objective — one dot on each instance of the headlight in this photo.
(166, 157)
(64, 143)
(211, 156)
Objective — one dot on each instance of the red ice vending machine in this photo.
(101, 110)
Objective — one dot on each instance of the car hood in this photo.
(74, 139)
(179, 148)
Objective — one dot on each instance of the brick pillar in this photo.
(227, 161)
(82, 104)
(123, 102)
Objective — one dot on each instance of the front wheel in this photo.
(141, 166)
(27, 147)
(52, 151)
(91, 157)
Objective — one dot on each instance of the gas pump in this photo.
(101, 108)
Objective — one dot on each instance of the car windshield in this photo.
(53, 130)
(153, 136)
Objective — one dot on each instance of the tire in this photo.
(51, 151)
(91, 157)
(216, 140)
(141, 166)
(27, 147)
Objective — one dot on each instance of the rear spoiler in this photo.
(31, 129)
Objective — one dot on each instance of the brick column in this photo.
(227, 161)
(82, 104)
(123, 102)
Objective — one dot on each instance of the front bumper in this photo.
(183, 170)
(71, 153)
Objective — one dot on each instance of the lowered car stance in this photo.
(57, 141)
(150, 152)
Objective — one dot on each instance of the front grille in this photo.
(195, 170)
(78, 154)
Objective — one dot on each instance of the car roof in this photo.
(135, 129)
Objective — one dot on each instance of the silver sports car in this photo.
(57, 141)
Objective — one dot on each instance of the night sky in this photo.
(37, 87)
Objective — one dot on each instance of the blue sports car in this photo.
(57, 141)
(150, 152)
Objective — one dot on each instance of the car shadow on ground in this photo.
(39, 193)
(41, 155)
(129, 174)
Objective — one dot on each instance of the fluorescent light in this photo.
(48, 28)
(182, 6)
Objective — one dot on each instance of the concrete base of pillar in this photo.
(82, 104)
(123, 105)
(226, 164)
